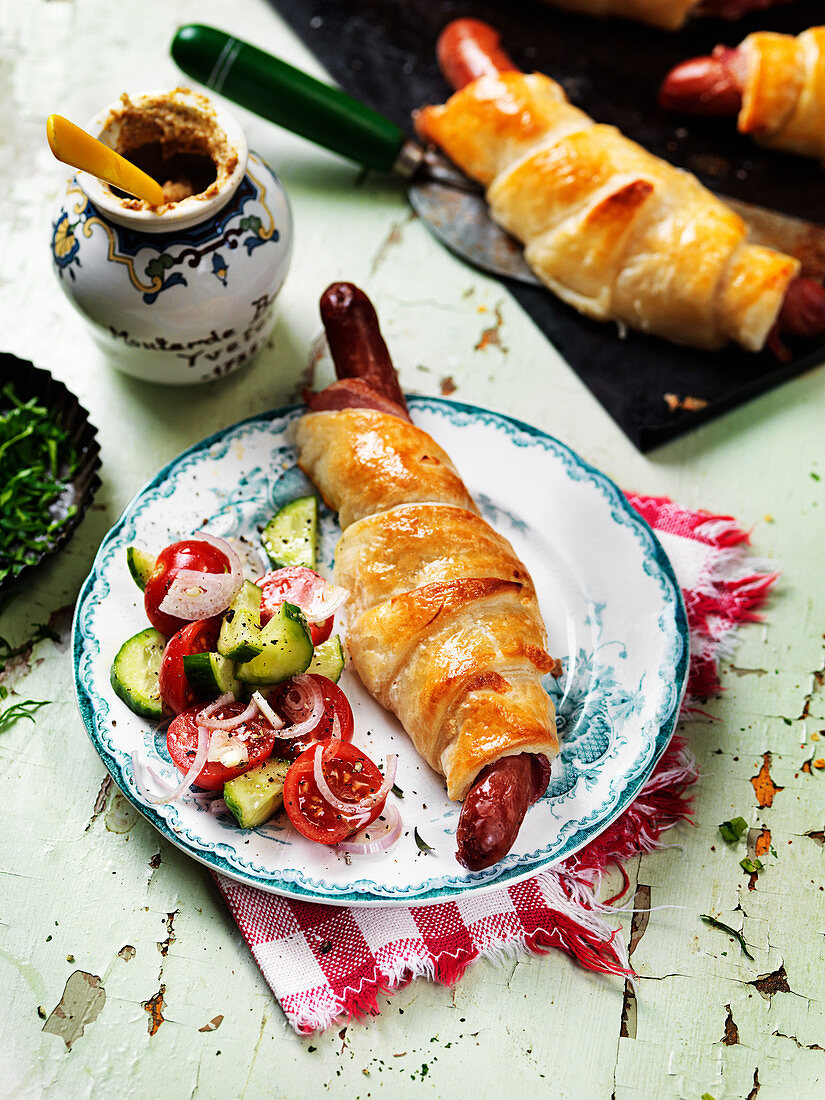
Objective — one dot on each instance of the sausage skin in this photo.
(355, 341)
(803, 310)
(467, 49)
(353, 393)
(705, 85)
(495, 806)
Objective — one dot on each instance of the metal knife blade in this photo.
(459, 220)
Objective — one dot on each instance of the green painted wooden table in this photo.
(98, 912)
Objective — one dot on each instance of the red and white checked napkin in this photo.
(325, 962)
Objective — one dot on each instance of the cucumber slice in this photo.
(141, 565)
(287, 649)
(290, 536)
(328, 659)
(240, 636)
(257, 794)
(135, 670)
(210, 674)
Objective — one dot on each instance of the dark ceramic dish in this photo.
(30, 381)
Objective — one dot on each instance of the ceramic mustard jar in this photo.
(181, 292)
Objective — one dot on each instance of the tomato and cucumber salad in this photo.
(246, 670)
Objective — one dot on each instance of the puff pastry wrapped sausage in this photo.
(444, 627)
(613, 230)
(773, 83)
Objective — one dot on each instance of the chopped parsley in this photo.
(26, 708)
(734, 830)
(36, 460)
(752, 866)
(423, 846)
(714, 923)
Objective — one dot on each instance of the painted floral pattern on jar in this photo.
(184, 292)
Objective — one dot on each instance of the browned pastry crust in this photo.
(783, 98)
(667, 14)
(364, 461)
(444, 626)
(613, 230)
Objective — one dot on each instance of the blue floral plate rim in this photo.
(359, 892)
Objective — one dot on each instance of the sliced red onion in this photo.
(194, 771)
(323, 600)
(266, 710)
(176, 793)
(376, 837)
(390, 768)
(207, 712)
(140, 783)
(211, 723)
(218, 806)
(225, 548)
(308, 694)
(197, 595)
(364, 804)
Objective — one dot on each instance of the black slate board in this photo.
(383, 53)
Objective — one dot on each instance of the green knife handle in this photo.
(277, 91)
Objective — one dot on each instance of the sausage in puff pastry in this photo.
(613, 230)
(444, 627)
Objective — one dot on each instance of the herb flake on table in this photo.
(714, 923)
(26, 708)
(734, 830)
(37, 461)
(752, 866)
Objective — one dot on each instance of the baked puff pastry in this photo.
(783, 91)
(670, 15)
(613, 230)
(444, 627)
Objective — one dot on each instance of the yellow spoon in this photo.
(75, 147)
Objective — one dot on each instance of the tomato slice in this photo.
(191, 553)
(351, 776)
(295, 583)
(335, 702)
(182, 743)
(198, 637)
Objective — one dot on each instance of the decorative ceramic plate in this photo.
(610, 601)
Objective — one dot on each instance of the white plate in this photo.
(610, 601)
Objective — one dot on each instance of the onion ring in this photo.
(363, 845)
(176, 793)
(194, 594)
(363, 805)
(204, 719)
